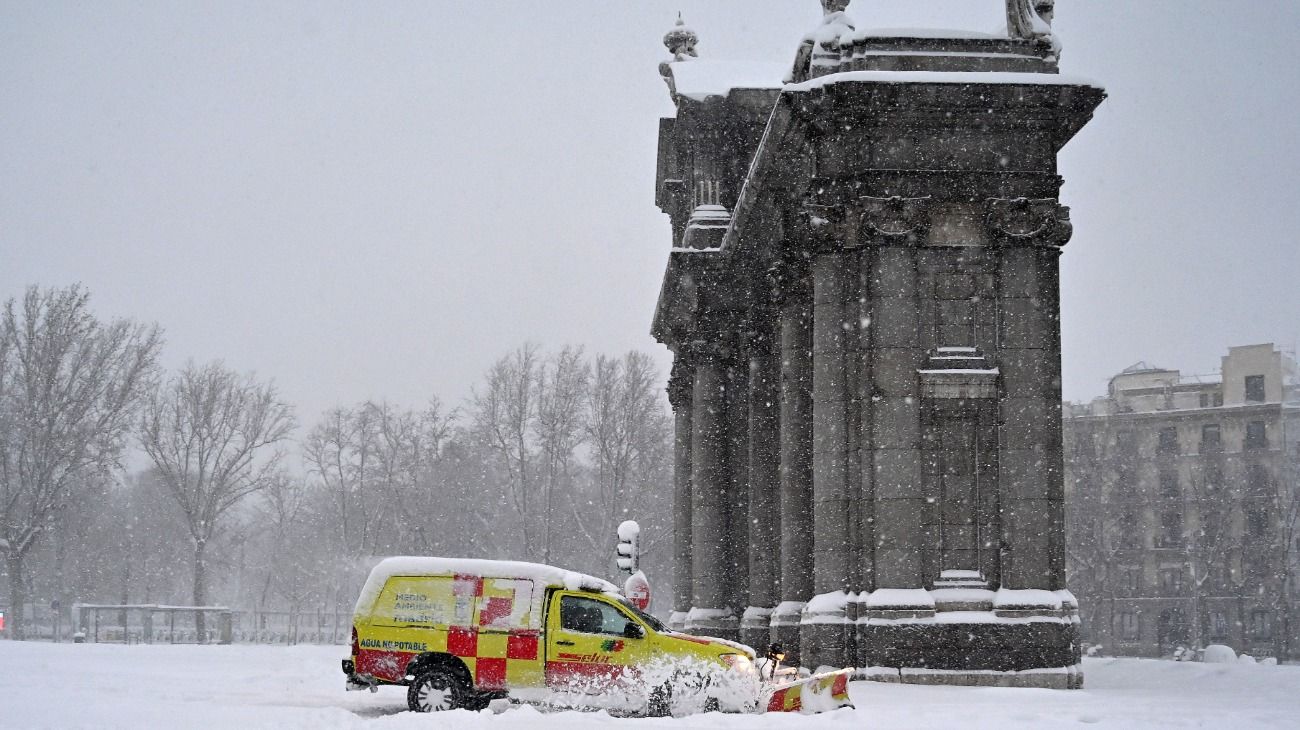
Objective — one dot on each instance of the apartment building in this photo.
(1181, 507)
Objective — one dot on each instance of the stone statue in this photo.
(681, 41)
(835, 23)
(1032, 20)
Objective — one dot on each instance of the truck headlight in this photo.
(738, 662)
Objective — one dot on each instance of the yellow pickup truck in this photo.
(459, 633)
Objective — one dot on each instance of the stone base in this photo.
(787, 635)
(677, 621)
(756, 629)
(992, 646)
(718, 623)
(826, 645)
(1055, 678)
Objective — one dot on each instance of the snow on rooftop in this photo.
(944, 77)
(701, 79)
(926, 33)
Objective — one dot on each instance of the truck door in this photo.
(588, 642)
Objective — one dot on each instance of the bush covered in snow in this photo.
(1219, 654)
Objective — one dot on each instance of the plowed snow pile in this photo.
(244, 687)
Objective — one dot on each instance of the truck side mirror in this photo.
(633, 631)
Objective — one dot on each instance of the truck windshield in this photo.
(653, 622)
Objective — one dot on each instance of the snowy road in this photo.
(67, 686)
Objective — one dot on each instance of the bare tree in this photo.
(503, 418)
(562, 389)
(208, 432)
(627, 432)
(341, 452)
(68, 387)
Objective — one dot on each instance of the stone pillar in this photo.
(735, 573)
(709, 613)
(824, 633)
(1029, 455)
(796, 466)
(764, 483)
(894, 414)
(680, 387)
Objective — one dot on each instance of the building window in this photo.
(1168, 441)
(1131, 579)
(1254, 388)
(1129, 533)
(1126, 625)
(1169, 483)
(1205, 400)
(1257, 482)
(1213, 477)
(1261, 625)
(1171, 530)
(1256, 435)
(1211, 442)
(1126, 443)
(1218, 624)
(1083, 446)
(1171, 581)
(1257, 522)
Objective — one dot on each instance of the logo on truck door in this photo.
(587, 650)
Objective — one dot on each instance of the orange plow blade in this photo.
(818, 693)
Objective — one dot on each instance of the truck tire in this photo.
(436, 689)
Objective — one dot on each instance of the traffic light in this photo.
(629, 533)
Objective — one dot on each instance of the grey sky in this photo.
(368, 200)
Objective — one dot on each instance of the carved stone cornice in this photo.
(716, 351)
(894, 221)
(829, 227)
(681, 384)
(1027, 222)
(788, 277)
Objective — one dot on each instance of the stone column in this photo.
(796, 465)
(736, 573)
(1029, 455)
(709, 613)
(764, 482)
(680, 387)
(823, 635)
(894, 415)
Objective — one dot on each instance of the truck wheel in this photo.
(436, 689)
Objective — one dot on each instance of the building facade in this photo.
(862, 304)
(1182, 504)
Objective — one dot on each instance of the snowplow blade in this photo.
(818, 693)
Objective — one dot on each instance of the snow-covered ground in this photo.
(86, 685)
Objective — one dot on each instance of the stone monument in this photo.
(862, 301)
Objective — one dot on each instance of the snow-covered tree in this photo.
(69, 385)
(504, 411)
(211, 435)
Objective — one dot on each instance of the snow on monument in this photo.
(862, 302)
